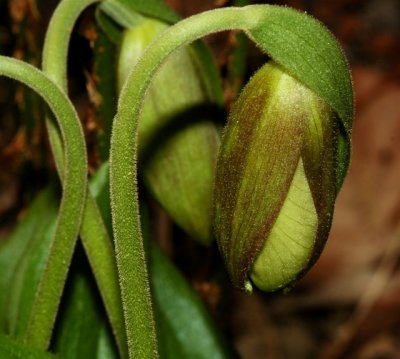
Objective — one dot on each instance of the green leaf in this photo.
(126, 12)
(309, 52)
(109, 26)
(12, 349)
(123, 15)
(208, 67)
(82, 331)
(185, 329)
(25, 282)
(15, 249)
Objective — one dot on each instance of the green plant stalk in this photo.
(95, 238)
(123, 178)
(123, 167)
(45, 306)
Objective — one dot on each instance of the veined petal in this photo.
(289, 245)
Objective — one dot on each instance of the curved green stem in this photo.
(123, 178)
(294, 40)
(55, 56)
(57, 37)
(45, 305)
(95, 239)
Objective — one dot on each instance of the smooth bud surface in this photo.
(276, 181)
(178, 139)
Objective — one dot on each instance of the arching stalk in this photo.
(45, 305)
(95, 239)
(123, 168)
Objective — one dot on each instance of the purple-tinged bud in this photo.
(275, 181)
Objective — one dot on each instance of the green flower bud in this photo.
(276, 181)
(178, 139)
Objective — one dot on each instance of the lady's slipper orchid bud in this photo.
(178, 139)
(275, 181)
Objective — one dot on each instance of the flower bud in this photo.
(275, 181)
(178, 139)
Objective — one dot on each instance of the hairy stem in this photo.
(45, 305)
(123, 177)
(95, 239)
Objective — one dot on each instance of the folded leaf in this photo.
(17, 267)
(82, 331)
(12, 349)
(185, 329)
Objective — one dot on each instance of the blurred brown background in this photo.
(348, 306)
